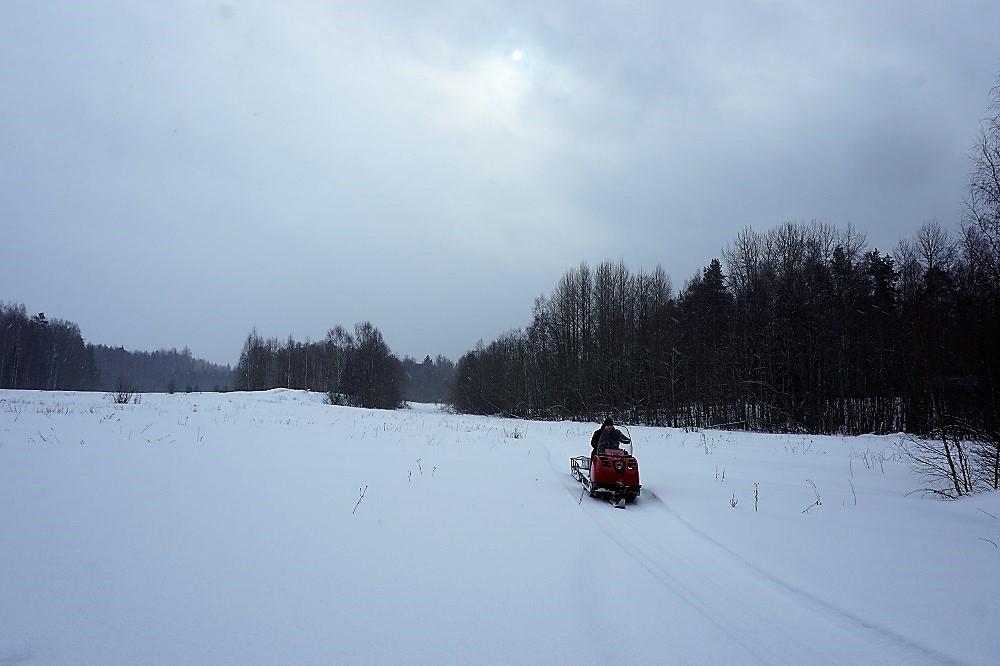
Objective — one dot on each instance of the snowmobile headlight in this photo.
(619, 466)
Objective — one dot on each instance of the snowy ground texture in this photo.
(231, 529)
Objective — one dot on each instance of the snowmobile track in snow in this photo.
(775, 622)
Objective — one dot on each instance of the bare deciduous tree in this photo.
(982, 203)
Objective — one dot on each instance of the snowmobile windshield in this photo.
(627, 448)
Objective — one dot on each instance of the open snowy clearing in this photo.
(270, 528)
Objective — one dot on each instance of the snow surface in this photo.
(231, 529)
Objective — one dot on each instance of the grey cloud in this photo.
(176, 174)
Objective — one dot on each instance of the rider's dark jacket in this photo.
(609, 438)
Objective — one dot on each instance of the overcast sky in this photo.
(176, 173)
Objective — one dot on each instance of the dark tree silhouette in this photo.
(356, 370)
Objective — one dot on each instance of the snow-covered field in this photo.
(270, 528)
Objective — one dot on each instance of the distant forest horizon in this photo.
(42, 353)
(799, 328)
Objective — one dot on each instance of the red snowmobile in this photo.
(612, 473)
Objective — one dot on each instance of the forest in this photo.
(356, 369)
(51, 355)
(359, 368)
(164, 370)
(39, 353)
(801, 329)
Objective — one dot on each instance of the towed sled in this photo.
(611, 473)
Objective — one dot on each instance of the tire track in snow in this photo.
(669, 571)
(914, 650)
(773, 621)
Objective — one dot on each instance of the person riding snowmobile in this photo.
(607, 437)
(596, 437)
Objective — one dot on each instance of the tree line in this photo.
(164, 370)
(800, 328)
(51, 355)
(429, 381)
(355, 369)
(352, 368)
(39, 353)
